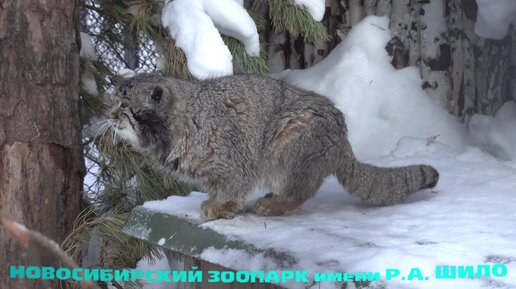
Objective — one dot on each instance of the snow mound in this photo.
(381, 104)
(494, 18)
(314, 7)
(195, 25)
(496, 135)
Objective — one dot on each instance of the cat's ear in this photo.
(157, 94)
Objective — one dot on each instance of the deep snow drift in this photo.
(381, 104)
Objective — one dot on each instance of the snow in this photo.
(87, 52)
(195, 26)
(87, 48)
(381, 104)
(126, 72)
(314, 7)
(90, 179)
(88, 83)
(468, 219)
(497, 134)
(232, 19)
(494, 18)
(194, 32)
(163, 264)
(159, 265)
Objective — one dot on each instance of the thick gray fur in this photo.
(232, 134)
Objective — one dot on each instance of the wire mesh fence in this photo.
(136, 52)
(117, 47)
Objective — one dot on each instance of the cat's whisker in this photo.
(114, 137)
(103, 127)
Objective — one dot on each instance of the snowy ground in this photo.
(468, 219)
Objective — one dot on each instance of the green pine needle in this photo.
(250, 64)
(295, 20)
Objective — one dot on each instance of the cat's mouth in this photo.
(117, 123)
(123, 126)
(120, 120)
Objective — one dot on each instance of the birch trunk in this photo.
(495, 74)
(434, 50)
(461, 22)
(459, 71)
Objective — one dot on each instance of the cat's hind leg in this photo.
(297, 188)
(302, 150)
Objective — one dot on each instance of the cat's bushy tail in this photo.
(385, 186)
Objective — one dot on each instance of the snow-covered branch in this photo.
(196, 26)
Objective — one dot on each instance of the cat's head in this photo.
(138, 114)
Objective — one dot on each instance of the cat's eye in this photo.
(156, 94)
(124, 104)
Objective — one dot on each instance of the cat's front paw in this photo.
(212, 210)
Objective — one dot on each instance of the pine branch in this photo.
(250, 64)
(287, 17)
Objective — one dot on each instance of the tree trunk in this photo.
(41, 165)
(495, 74)
(462, 39)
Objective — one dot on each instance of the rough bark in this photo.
(384, 7)
(276, 51)
(495, 74)
(356, 11)
(462, 39)
(41, 166)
